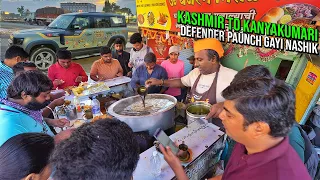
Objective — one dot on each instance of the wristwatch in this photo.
(162, 82)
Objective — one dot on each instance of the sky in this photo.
(33, 5)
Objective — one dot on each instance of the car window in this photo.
(61, 22)
(118, 21)
(102, 22)
(81, 23)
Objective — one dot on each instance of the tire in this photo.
(43, 57)
(40, 23)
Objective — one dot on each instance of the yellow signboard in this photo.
(162, 14)
(306, 88)
(153, 14)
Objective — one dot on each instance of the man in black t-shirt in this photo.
(122, 56)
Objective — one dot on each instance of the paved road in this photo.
(7, 28)
(8, 25)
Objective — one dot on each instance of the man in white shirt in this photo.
(138, 52)
(208, 80)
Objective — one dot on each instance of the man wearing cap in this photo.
(208, 80)
(175, 69)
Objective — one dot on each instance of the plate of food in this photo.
(290, 12)
(88, 89)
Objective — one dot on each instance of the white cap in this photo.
(154, 153)
(175, 49)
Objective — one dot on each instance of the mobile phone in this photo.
(164, 139)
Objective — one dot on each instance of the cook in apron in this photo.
(208, 96)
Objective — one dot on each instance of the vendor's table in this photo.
(116, 85)
(205, 141)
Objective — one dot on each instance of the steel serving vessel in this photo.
(197, 110)
(163, 119)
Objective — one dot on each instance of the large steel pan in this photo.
(163, 119)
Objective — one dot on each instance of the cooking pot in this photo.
(163, 119)
(197, 110)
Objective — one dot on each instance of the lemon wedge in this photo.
(285, 19)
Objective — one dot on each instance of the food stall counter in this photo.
(116, 85)
(206, 143)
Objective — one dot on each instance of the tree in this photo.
(127, 11)
(107, 7)
(115, 7)
(110, 7)
(21, 10)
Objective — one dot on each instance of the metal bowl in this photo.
(197, 110)
(163, 119)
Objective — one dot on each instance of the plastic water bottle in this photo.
(76, 103)
(95, 107)
(155, 163)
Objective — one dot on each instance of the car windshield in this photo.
(61, 22)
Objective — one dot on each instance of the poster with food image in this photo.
(162, 14)
(153, 14)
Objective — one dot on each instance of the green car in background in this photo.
(81, 33)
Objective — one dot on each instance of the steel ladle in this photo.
(143, 91)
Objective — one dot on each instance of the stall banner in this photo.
(160, 42)
(153, 14)
(306, 89)
(161, 14)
